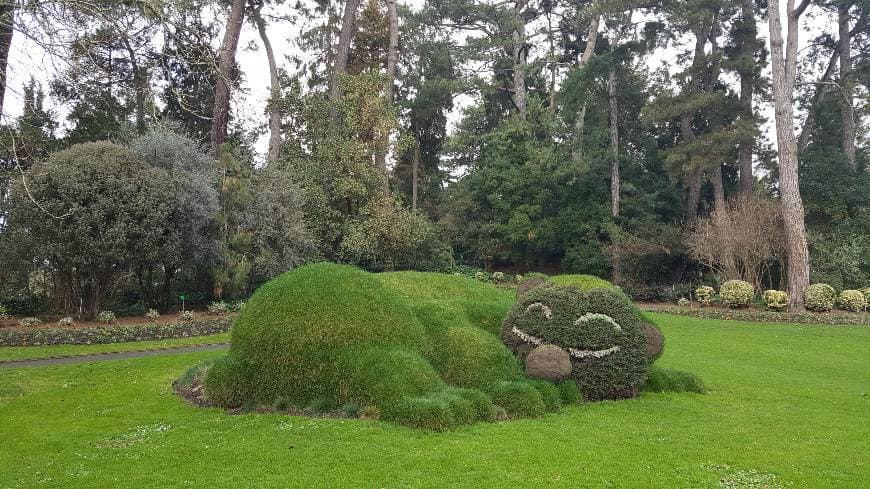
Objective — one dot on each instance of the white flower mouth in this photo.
(574, 352)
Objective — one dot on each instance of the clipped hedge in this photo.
(736, 293)
(830, 318)
(852, 300)
(775, 300)
(111, 334)
(820, 297)
(603, 331)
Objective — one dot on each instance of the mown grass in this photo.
(787, 406)
(34, 352)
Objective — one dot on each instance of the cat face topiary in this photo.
(603, 334)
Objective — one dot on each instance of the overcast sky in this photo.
(27, 59)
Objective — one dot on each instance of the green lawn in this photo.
(788, 406)
(31, 352)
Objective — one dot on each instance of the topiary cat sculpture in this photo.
(598, 333)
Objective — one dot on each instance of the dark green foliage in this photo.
(519, 399)
(572, 319)
(768, 316)
(661, 379)
(550, 394)
(569, 392)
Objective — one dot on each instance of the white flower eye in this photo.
(591, 316)
(545, 309)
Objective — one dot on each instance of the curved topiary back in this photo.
(301, 333)
(603, 333)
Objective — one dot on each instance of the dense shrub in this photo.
(499, 277)
(519, 399)
(4, 314)
(110, 334)
(219, 307)
(600, 328)
(683, 302)
(852, 300)
(186, 316)
(28, 322)
(66, 321)
(704, 294)
(775, 300)
(662, 379)
(736, 293)
(819, 297)
(106, 317)
(152, 315)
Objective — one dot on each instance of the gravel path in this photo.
(101, 357)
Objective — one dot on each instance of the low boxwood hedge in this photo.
(112, 333)
(832, 318)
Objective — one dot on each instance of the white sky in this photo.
(27, 59)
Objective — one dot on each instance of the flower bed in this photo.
(764, 316)
(112, 333)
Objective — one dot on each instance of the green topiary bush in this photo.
(602, 331)
(775, 300)
(819, 297)
(736, 293)
(667, 380)
(852, 300)
(519, 399)
(705, 294)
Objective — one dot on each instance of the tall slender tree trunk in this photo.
(520, 53)
(392, 57)
(140, 85)
(7, 29)
(415, 170)
(588, 51)
(551, 57)
(274, 91)
(846, 85)
(804, 138)
(614, 143)
(342, 51)
(783, 66)
(226, 67)
(749, 34)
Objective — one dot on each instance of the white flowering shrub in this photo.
(852, 300)
(67, 321)
(683, 302)
(28, 322)
(186, 316)
(106, 317)
(152, 315)
(736, 293)
(819, 297)
(705, 294)
(219, 307)
(499, 277)
(775, 300)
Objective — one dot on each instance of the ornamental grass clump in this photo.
(852, 300)
(736, 293)
(704, 294)
(775, 300)
(820, 297)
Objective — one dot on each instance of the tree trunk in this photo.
(274, 92)
(520, 52)
(783, 79)
(392, 57)
(718, 187)
(614, 143)
(226, 66)
(588, 51)
(415, 169)
(846, 85)
(746, 71)
(7, 24)
(693, 193)
(804, 138)
(342, 51)
(140, 85)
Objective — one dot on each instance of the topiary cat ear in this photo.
(545, 309)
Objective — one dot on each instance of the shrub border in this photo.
(833, 319)
(112, 334)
